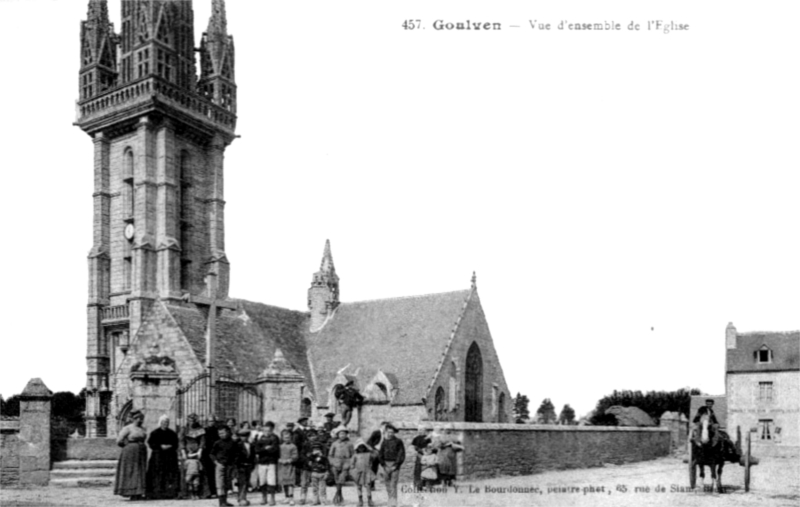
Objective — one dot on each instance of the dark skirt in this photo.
(163, 475)
(131, 467)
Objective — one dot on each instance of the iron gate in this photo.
(226, 399)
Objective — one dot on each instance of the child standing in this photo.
(286, 465)
(224, 453)
(268, 452)
(193, 468)
(362, 472)
(340, 457)
(319, 469)
(430, 465)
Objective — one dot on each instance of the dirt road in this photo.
(775, 482)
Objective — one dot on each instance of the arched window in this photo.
(305, 407)
(452, 387)
(184, 220)
(128, 213)
(501, 409)
(440, 410)
(128, 199)
(473, 385)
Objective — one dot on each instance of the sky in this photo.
(621, 195)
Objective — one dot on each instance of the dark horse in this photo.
(711, 447)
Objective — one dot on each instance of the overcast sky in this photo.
(621, 195)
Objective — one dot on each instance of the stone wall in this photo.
(9, 453)
(521, 449)
(25, 443)
(63, 449)
(678, 426)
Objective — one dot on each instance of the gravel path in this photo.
(775, 482)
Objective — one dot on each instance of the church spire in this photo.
(218, 22)
(98, 51)
(217, 79)
(323, 296)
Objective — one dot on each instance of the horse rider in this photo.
(707, 409)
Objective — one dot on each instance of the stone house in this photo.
(762, 386)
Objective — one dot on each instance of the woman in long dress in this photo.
(132, 464)
(163, 474)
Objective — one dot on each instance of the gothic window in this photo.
(452, 387)
(87, 81)
(164, 64)
(440, 410)
(473, 385)
(87, 54)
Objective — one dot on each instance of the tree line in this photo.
(654, 403)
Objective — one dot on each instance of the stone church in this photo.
(163, 334)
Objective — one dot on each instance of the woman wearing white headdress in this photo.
(163, 474)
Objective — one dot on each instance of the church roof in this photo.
(247, 338)
(405, 337)
(785, 347)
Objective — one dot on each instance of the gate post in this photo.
(34, 434)
(280, 386)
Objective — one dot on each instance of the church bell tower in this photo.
(159, 135)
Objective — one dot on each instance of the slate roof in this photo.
(785, 348)
(247, 338)
(404, 337)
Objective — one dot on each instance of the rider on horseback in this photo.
(707, 409)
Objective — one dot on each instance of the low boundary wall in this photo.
(520, 449)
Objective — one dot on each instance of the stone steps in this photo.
(83, 473)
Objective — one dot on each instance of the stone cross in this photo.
(213, 304)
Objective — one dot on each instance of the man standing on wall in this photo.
(349, 398)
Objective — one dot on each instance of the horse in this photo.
(711, 447)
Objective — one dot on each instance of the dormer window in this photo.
(763, 355)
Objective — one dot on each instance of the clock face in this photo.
(129, 231)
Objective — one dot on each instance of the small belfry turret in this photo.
(323, 295)
(98, 51)
(217, 82)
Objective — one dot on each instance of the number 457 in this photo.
(412, 24)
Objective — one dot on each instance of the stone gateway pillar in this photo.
(34, 434)
(280, 386)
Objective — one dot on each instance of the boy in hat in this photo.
(318, 464)
(268, 452)
(340, 457)
(391, 457)
(329, 424)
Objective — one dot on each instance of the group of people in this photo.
(218, 458)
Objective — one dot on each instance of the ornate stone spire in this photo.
(218, 22)
(98, 51)
(323, 296)
(217, 79)
(474, 280)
